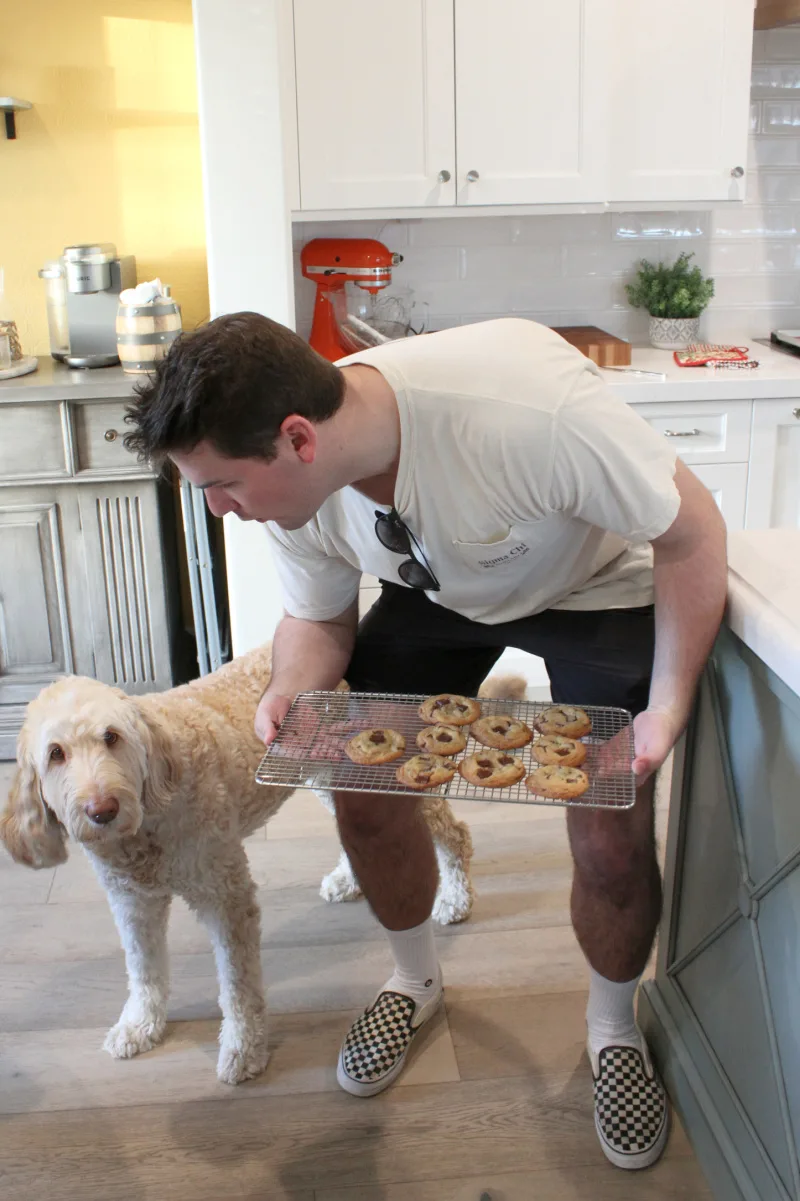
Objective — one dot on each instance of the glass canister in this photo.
(56, 298)
(146, 331)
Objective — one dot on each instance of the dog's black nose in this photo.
(102, 810)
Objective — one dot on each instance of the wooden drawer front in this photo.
(99, 429)
(716, 431)
(32, 441)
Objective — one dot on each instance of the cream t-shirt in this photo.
(527, 482)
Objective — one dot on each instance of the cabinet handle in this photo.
(796, 413)
(110, 435)
(444, 177)
(737, 172)
(682, 433)
(472, 176)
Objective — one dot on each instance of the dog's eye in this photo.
(110, 737)
(57, 754)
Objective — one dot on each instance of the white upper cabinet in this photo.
(681, 100)
(376, 125)
(531, 101)
(431, 103)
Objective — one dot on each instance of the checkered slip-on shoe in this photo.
(374, 1052)
(631, 1111)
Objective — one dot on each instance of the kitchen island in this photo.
(723, 1012)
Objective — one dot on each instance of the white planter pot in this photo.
(673, 333)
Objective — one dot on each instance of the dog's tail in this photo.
(504, 688)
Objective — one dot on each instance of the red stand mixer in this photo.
(331, 263)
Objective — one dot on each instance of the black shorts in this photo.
(407, 644)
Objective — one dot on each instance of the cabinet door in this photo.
(681, 96)
(773, 494)
(128, 593)
(531, 101)
(44, 625)
(375, 103)
(727, 483)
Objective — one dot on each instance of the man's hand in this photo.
(655, 732)
(272, 709)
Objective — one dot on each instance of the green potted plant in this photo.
(674, 295)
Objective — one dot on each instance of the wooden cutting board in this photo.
(604, 349)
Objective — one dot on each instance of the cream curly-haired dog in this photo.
(159, 791)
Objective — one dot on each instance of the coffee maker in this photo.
(83, 288)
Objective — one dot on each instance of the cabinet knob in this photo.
(796, 413)
(737, 172)
(110, 435)
(444, 177)
(472, 176)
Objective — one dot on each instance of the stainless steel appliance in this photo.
(83, 288)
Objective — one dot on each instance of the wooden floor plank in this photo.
(209, 1151)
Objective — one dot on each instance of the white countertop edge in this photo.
(766, 632)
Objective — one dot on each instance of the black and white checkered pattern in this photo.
(630, 1103)
(379, 1038)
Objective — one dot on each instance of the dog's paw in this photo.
(340, 884)
(243, 1054)
(453, 904)
(131, 1037)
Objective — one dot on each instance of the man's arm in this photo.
(690, 580)
(306, 656)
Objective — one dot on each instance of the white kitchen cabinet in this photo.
(727, 483)
(531, 101)
(773, 497)
(681, 96)
(375, 115)
(455, 103)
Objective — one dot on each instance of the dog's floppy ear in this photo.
(163, 761)
(30, 831)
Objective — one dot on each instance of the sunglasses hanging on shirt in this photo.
(395, 535)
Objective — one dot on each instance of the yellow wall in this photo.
(110, 151)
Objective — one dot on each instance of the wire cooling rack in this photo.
(309, 750)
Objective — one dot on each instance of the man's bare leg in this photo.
(391, 851)
(616, 890)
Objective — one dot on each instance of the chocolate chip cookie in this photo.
(372, 747)
(501, 732)
(425, 771)
(492, 769)
(449, 709)
(558, 782)
(441, 740)
(564, 719)
(555, 748)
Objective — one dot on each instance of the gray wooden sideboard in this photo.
(88, 547)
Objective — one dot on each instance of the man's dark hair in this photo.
(231, 383)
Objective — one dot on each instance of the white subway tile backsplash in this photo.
(647, 226)
(552, 230)
(781, 117)
(571, 269)
(773, 152)
(754, 221)
(769, 78)
(511, 262)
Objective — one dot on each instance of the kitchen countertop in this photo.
(776, 377)
(54, 381)
(763, 591)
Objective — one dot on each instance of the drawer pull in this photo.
(682, 433)
(111, 435)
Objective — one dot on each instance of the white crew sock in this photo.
(609, 1014)
(416, 970)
